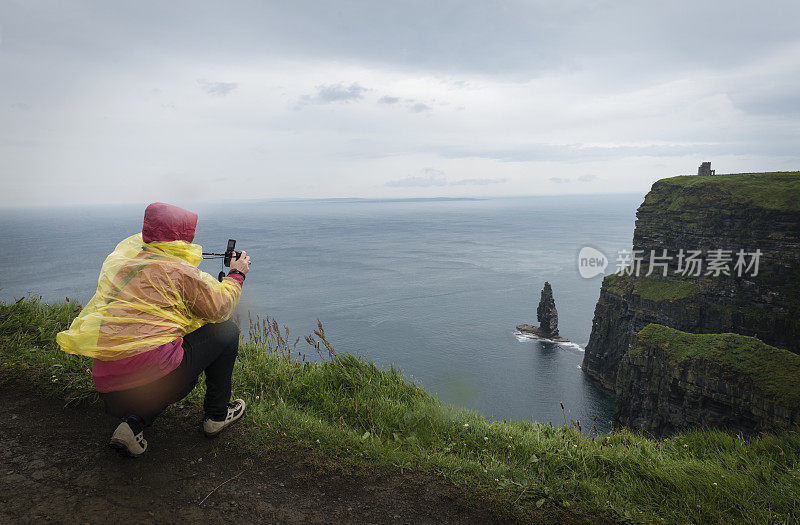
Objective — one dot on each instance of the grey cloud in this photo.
(526, 38)
(431, 177)
(21, 106)
(477, 182)
(780, 98)
(435, 177)
(218, 89)
(419, 107)
(567, 180)
(388, 100)
(740, 60)
(422, 181)
(578, 152)
(518, 38)
(788, 104)
(769, 142)
(328, 93)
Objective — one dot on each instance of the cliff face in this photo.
(672, 380)
(731, 212)
(623, 309)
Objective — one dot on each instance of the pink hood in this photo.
(165, 222)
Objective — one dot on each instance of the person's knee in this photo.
(228, 335)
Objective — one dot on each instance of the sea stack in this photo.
(547, 315)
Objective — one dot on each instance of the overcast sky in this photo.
(178, 101)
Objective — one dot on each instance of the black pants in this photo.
(211, 348)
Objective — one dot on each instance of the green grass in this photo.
(772, 372)
(348, 411)
(651, 288)
(618, 284)
(773, 191)
(655, 289)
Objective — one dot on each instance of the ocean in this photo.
(435, 287)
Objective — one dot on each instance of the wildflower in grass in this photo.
(466, 425)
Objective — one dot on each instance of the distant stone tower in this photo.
(705, 169)
(546, 312)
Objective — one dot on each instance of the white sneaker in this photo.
(212, 428)
(124, 441)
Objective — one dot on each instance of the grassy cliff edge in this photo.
(348, 411)
(769, 190)
(773, 372)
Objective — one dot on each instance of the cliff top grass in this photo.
(618, 284)
(773, 372)
(653, 288)
(773, 191)
(352, 414)
(658, 289)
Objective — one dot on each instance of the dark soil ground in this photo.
(55, 466)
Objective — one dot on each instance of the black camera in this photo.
(229, 255)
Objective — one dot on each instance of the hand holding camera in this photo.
(238, 261)
(241, 263)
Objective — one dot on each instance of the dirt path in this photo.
(54, 466)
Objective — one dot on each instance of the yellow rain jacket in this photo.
(148, 294)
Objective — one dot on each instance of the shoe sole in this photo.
(218, 432)
(121, 449)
